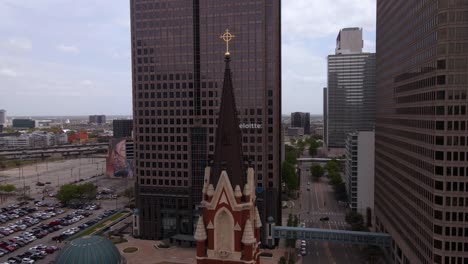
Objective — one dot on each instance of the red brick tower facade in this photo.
(228, 231)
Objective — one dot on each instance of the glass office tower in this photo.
(177, 65)
(421, 143)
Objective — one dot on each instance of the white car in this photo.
(27, 261)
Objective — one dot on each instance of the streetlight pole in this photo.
(37, 173)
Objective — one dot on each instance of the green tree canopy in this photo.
(82, 192)
(332, 166)
(291, 154)
(7, 188)
(313, 146)
(317, 171)
(335, 178)
(289, 176)
(356, 220)
(282, 260)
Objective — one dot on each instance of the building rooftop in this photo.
(89, 250)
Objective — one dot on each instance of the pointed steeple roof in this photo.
(228, 145)
(248, 237)
(200, 232)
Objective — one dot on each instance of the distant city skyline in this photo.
(44, 70)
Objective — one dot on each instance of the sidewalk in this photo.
(148, 254)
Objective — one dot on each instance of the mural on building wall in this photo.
(117, 163)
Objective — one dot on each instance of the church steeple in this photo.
(228, 145)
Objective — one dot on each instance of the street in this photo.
(314, 204)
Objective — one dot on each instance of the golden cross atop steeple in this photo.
(227, 36)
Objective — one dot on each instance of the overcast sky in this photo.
(69, 57)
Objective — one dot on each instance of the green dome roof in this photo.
(89, 250)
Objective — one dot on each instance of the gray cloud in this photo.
(98, 77)
(68, 48)
(20, 43)
(8, 72)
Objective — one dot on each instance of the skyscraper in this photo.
(325, 114)
(97, 119)
(299, 119)
(177, 78)
(351, 89)
(421, 162)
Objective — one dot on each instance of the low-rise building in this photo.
(62, 138)
(359, 172)
(295, 132)
(41, 139)
(23, 123)
(21, 141)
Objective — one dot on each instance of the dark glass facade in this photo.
(24, 123)
(177, 59)
(299, 119)
(122, 128)
(421, 144)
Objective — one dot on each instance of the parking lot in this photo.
(27, 230)
(43, 229)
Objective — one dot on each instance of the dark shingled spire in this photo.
(228, 146)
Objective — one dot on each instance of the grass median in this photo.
(99, 225)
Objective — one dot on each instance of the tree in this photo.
(356, 221)
(335, 178)
(289, 176)
(282, 260)
(83, 192)
(67, 193)
(87, 191)
(332, 166)
(317, 171)
(7, 188)
(291, 154)
(313, 146)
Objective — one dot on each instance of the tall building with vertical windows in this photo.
(359, 173)
(300, 119)
(421, 142)
(177, 71)
(351, 89)
(97, 119)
